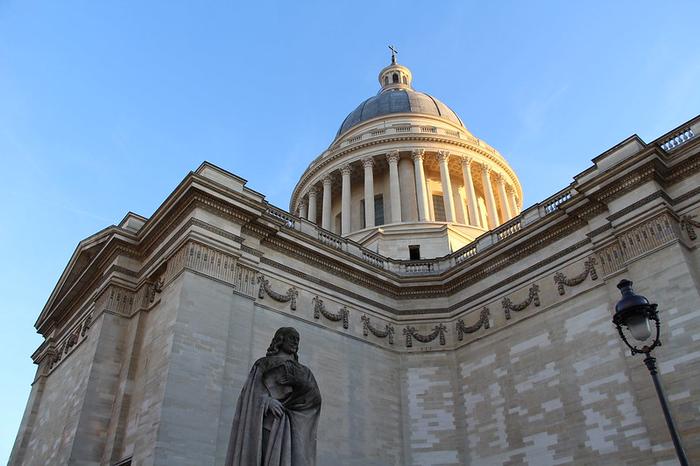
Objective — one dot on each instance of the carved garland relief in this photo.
(320, 310)
(439, 331)
(368, 328)
(289, 297)
(562, 280)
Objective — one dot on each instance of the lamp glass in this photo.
(639, 327)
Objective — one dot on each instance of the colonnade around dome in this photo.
(416, 187)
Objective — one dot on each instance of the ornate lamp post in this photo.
(635, 313)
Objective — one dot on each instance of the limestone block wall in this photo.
(559, 387)
(50, 438)
(140, 421)
(184, 405)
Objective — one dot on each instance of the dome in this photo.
(401, 100)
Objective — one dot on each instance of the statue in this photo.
(277, 412)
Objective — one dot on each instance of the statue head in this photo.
(286, 340)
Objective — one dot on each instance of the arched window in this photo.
(386, 80)
(395, 78)
(405, 81)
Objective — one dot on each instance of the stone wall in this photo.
(506, 357)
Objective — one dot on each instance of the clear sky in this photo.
(105, 107)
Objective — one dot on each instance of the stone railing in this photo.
(332, 240)
(512, 226)
(425, 267)
(678, 140)
(411, 129)
(552, 204)
(282, 215)
(465, 253)
(375, 259)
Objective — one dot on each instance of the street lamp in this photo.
(637, 315)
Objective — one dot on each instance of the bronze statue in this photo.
(277, 412)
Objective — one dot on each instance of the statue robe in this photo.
(292, 437)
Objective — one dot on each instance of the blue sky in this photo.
(105, 107)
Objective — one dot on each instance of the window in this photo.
(386, 80)
(439, 208)
(363, 224)
(405, 81)
(379, 209)
(414, 252)
(395, 78)
(339, 223)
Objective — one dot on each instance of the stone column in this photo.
(513, 201)
(303, 211)
(471, 193)
(505, 208)
(368, 163)
(312, 205)
(407, 182)
(394, 190)
(326, 207)
(443, 157)
(345, 213)
(488, 194)
(421, 190)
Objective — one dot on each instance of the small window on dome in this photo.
(405, 81)
(395, 78)
(386, 80)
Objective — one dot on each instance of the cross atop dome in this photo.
(393, 54)
(394, 76)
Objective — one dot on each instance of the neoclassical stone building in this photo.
(445, 324)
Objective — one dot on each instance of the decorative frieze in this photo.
(115, 299)
(639, 240)
(320, 310)
(368, 328)
(688, 225)
(210, 262)
(69, 342)
(244, 280)
(532, 297)
(289, 297)
(438, 331)
(611, 258)
(562, 280)
(482, 322)
(213, 263)
(647, 236)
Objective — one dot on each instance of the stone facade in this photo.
(502, 352)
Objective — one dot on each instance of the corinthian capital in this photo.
(392, 156)
(443, 155)
(418, 154)
(312, 191)
(485, 168)
(467, 161)
(368, 162)
(346, 170)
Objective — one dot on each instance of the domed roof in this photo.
(398, 100)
